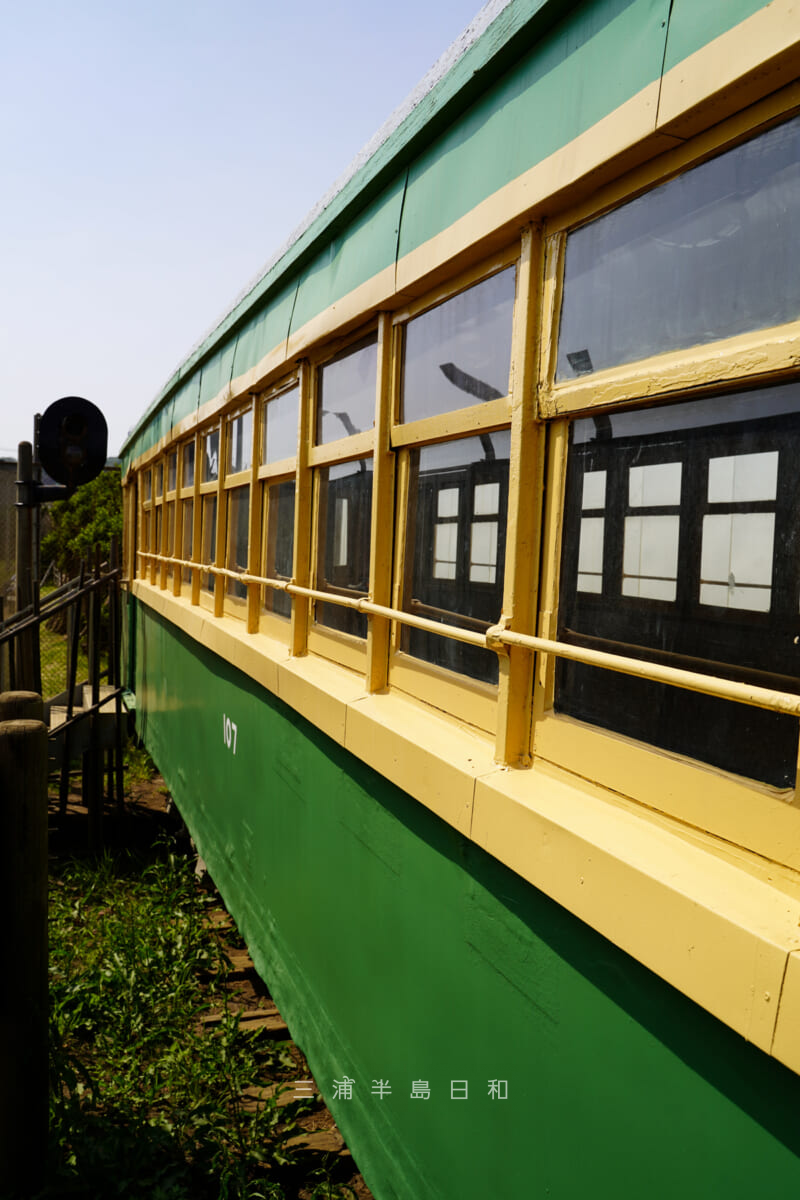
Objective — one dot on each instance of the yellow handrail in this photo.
(497, 638)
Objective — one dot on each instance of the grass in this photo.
(139, 767)
(54, 651)
(144, 1103)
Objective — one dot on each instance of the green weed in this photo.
(144, 1103)
(139, 766)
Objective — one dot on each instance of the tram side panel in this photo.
(402, 955)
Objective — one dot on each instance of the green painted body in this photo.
(542, 73)
(397, 950)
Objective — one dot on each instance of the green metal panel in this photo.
(399, 951)
(693, 25)
(266, 329)
(216, 372)
(368, 245)
(593, 61)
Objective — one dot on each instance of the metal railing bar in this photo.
(497, 637)
(8, 632)
(671, 658)
(85, 712)
(421, 609)
(693, 681)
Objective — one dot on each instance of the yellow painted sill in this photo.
(721, 927)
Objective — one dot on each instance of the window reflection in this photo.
(170, 547)
(188, 465)
(240, 442)
(208, 538)
(704, 256)
(459, 353)
(346, 391)
(279, 543)
(211, 456)
(681, 546)
(279, 430)
(237, 537)
(458, 496)
(345, 515)
(188, 538)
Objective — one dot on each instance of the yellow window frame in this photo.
(751, 815)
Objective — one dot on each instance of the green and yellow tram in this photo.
(464, 562)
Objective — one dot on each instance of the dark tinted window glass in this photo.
(459, 353)
(186, 549)
(170, 547)
(209, 539)
(707, 255)
(237, 540)
(279, 544)
(188, 465)
(345, 513)
(458, 497)
(144, 566)
(346, 400)
(681, 546)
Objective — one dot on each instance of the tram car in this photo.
(464, 612)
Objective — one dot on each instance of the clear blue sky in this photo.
(154, 157)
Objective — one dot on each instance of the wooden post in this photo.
(21, 706)
(23, 1006)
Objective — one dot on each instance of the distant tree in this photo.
(91, 517)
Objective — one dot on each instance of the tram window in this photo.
(172, 471)
(279, 543)
(188, 465)
(237, 537)
(279, 427)
(208, 539)
(211, 456)
(459, 353)
(148, 489)
(346, 391)
(158, 516)
(345, 514)
(158, 473)
(455, 547)
(187, 516)
(240, 442)
(170, 547)
(144, 566)
(694, 562)
(704, 256)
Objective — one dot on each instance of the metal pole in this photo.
(25, 673)
(23, 1008)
